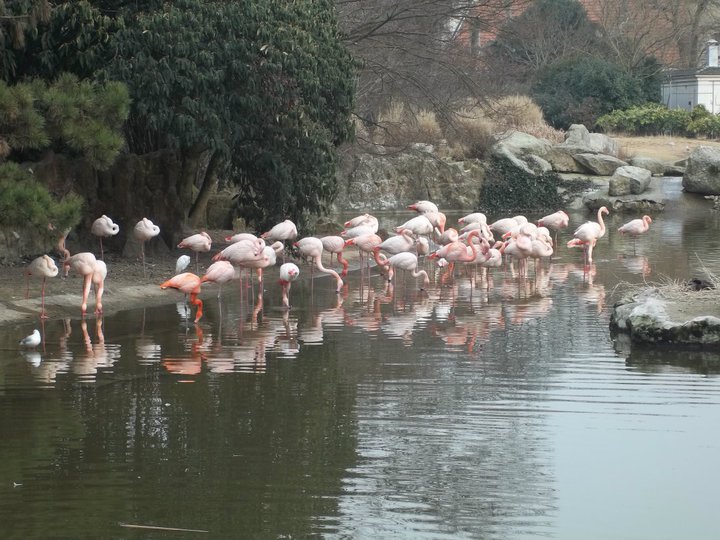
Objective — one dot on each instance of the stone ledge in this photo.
(649, 318)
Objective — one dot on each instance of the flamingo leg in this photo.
(102, 256)
(43, 315)
(142, 252)
(86, 292)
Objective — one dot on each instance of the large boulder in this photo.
(562, 159)
(520, 144)
(702, 174)
(655, 166)
(629, 180)
(578, 135)
(600, 164)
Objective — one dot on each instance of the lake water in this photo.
(476, 409)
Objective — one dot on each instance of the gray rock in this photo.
(702, 174)
(538, 164)
(627, 180)
(503, 152)
(653, 200)
(644, 317)
(562, 160)
(655, 166)
(600, 164)
(577, 135)
(520, 144)
(384, 181)
(603, 144)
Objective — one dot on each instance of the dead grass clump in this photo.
(401, 126)
(471, 133)
(515, 112)
(428, 128)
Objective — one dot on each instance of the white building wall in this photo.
(709, 95)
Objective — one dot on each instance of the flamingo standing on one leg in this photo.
(555, 221)
(45, 267)
(589, 232)
(197, 243)
(103, 227)
(144, 231)
(312, 248)
(289, 272)
(635, 228)
(219, 272)
(187, 283)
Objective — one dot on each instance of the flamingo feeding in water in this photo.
(335, 245)
(45, 267)
(404, 261)
(197, 243)
(588, 234)
(312, 248)
(187, 283)
(103, 227)
(289, 272)
(145, 230)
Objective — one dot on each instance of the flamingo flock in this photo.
(425, 239)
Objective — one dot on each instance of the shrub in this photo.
(583, 89)
(24, 202)
(515, 112)
(471, 132)
(647, 119)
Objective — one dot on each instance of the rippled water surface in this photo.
(498, 408)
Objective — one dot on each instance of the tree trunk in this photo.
(197, 214)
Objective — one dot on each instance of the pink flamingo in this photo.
(364, 219)
(419, 225)
(45, 267)
(241, 252)
(405, 261)
(520, 248)
(289, 272)
(312, 248)
(282, 231)
(458, 252)
(268, 257)
(197, 243)
(475, 217)
(219, 272)
(403, 241)
(145, 230)
(555, 221)
(335, 245)
(103, 227)
(187, 283)
(93, 273)
(365, 243)
(635, 228)
(589, 232)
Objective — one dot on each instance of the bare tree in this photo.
(673, 31)
(425, 52)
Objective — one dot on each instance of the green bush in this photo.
(24, 202)
(656, 119)
(583, 89)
